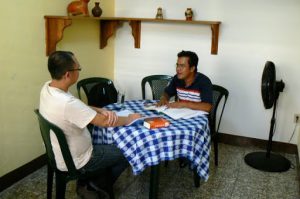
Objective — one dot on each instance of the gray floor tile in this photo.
(232, 179)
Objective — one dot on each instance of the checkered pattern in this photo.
(142, 147)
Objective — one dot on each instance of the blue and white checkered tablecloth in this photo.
(142, 147)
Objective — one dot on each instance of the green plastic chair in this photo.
(63, 177)
(219, 92)
(98, 90)
(157, 84)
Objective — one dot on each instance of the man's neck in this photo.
(190, 79)
(59, 84)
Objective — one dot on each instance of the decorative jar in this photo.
(97, 11)
(189, 14)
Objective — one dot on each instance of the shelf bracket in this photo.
(214, 38)
(54, 32)
(136, 32)
(107, 29)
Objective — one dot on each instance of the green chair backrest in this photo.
(46, 127)
(157, 84)
(218, 93)
(99, 91)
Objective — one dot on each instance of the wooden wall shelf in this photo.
(55, 26)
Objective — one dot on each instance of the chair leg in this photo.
(166, 163)
(183, 162)
(60, 186)
(109, 185)
(216, 149)
(154, 182)
(49, 181)
(110, 192)
(196, 178)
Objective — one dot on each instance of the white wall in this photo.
(23, 69)
(252, 32)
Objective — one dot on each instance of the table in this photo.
(143, 147)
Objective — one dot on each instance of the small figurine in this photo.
(159, 14)
(79, 7)
(189, 14)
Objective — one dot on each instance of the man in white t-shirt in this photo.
(60, 107)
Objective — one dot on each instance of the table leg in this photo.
(154, 182)
(196, 178)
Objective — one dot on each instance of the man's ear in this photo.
(192, 69)
(66, 75)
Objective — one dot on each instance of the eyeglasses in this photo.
(74, 69)
(180, 66)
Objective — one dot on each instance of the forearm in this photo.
(165, 96)
(110, 119)
(121, 121)
(105, 121)
(164, 99)
(203, 106)
(98, 110)
(100, 120)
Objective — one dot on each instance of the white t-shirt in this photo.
(72, 116)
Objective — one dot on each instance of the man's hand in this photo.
(203, 106)
(163, 101)
(132, 117)
(111, 117)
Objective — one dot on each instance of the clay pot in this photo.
(189, 14)
(79, 7)
(159, 14)
(97, 11)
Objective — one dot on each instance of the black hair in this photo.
(59, 62)
(193, 58)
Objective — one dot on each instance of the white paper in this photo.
(125, 113)
(195, 114)
(176, 113)
(155, 108)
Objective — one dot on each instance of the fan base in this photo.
(274, 163)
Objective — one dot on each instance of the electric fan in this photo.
(270, 89)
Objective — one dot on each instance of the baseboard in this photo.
(14, 176)
(248, 142)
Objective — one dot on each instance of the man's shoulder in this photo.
(176, 80)
(53, 95)
(201, 77)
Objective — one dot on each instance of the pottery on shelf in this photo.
(159, 14)
(79, 7)
(97, 11)
(189, 14)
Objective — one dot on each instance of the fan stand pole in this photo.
(269, 145)
(267, 161)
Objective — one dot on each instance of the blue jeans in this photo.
(107, 156)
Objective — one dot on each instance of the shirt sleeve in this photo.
(206, 91)
(79, 113)
(171, 88)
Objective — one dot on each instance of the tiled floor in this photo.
(232, 179)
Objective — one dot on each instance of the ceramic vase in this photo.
(189, 14)
(159, 14)
(97, 11)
